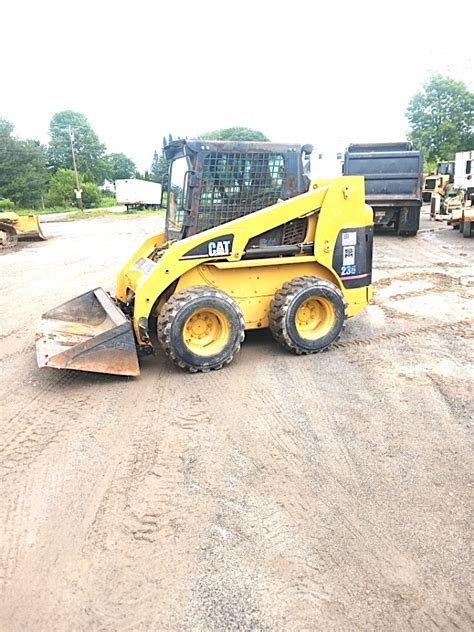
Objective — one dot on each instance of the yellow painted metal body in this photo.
(468, 213)
(440, 184)
(26, 226)
(331, 206)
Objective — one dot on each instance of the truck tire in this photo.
(307, 315)
(200, 329)
(466, 229)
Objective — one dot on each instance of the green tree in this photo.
(24, 175)
(235, 133)
(62, 188)
(121, 167)
(159, 167)
(90, 152)
(91, 195)
(441, 116)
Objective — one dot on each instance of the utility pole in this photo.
(76, 173)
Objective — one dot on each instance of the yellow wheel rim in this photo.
(314, 318)
(206, 332)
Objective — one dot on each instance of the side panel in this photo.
(352, 257)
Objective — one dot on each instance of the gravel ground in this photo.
(328, 492)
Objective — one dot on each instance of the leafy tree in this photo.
(62, 188)
(441, 116)
(142, 176)
(91, 195)
(235, 133)
(159, 167)
(90, 152)
(121, 167)
(23, 172)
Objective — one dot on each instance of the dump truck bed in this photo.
(390, 176)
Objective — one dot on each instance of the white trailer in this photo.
(138, 193)
(464, 173)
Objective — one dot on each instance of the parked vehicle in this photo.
(247, 245)
(393, 182)
(438, 182)
(14, 227)
(139, 194)
(464, 173)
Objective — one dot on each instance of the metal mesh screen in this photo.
(236, 184)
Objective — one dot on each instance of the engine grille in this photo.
(294, 232)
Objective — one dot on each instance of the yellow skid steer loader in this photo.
(249, 243)
(14, 227)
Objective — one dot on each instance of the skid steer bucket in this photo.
(88, 333)
(29, 227)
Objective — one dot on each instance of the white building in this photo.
(326, 162)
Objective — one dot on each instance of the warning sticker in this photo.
(145, 265)
(349, 239)
(348, 255)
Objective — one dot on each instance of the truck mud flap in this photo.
(88, 333)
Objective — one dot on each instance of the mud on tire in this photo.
(307, 315)
(200, 329)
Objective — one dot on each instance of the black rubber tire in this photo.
(284, 307)
(9, 239)
(461, 226)
(180, 307)
(466, 229)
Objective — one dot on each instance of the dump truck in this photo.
(393, 182)
(14, 227)
(249, 243)
(139, 194)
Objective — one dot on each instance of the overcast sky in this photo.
(322, 72)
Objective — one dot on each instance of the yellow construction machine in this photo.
(466, 221)
(249, 243)
(435, 184)
(14, 227)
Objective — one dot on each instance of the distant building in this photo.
(327, 162)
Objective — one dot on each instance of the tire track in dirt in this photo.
(35, 425)
(151, 514)
(279, 493)
(457, 327)
(340, 490)
(77, 520)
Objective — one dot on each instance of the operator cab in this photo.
(213, 182)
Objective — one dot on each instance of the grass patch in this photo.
(105, 202)
(45, 211)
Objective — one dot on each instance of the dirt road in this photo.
(328, 492)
